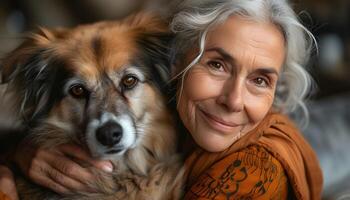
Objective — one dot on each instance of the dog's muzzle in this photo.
(109, 134)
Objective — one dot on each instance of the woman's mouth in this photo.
(218, 123)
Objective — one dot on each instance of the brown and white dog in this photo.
(99, 86)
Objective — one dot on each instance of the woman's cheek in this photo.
(257, 106)
(199, 85)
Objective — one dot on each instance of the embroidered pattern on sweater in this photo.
(248, 174)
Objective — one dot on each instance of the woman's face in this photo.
(232, 87)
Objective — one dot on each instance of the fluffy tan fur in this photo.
(151, 169)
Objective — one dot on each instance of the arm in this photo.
(58, 168)
(7, 184)
(252, 173)
(8, 140)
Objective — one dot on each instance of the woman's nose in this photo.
(231, 96)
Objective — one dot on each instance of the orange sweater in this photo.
(257, 166)
(4, 196)
(252, 173)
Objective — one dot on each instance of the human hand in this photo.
(57, 168)
(7, 183)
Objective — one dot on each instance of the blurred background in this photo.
(328, 20)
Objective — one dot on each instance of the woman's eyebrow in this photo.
(229, 58)
(267, 70)
(223, 53)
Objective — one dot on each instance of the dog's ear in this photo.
(26, 71)
(155, 40)
(24, 54)
(148, 22)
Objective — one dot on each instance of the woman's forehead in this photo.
(238, 26)
(240, 37)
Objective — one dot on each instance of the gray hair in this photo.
(196, 17)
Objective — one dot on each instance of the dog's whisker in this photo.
(41, 70)
(23, 103)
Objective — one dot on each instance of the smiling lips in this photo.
(217, 122)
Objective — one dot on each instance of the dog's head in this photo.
(98, 85)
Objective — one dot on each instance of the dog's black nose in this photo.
(109, 134)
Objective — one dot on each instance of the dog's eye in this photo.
(77, 91)
(129, 81)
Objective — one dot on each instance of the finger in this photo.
(66, 181)
(46, 181)
(69, 168)
(77, 152)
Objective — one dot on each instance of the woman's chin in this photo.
(214, 143)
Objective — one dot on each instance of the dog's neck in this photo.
(157, 148)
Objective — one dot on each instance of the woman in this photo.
(234, 85)
(239, 66)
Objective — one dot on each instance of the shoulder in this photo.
(289, 146)
(275, 119)
(251, 173)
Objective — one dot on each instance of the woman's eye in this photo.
(78, 91)
(261, 82)
(129, 81)
(216, 65)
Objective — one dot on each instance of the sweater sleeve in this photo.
(3, 196)
(252, 173)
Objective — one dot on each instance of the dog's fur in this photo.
(69, 83)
